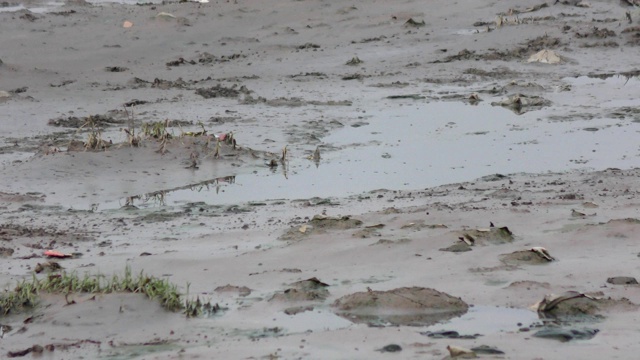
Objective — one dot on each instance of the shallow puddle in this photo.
(614, 90)
(314, 320)
(136, 351)
(399, 146)
(488, 320)
(36, 7)
(424, 145)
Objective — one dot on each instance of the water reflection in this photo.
(158, 198)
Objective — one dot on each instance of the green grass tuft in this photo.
(25, 294)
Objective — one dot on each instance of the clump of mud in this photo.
(321, 224)
(411, 306)
(222, 91)
(111, 118)
(305, 290)
(523, 257)
(575, 306)
(519, 52)
(493, 235)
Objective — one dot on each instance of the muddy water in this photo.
(37, 7)
(43, 6)
(489, 320)
(420, 145)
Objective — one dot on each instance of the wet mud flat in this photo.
(317, 180)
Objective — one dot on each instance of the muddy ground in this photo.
(318, 272)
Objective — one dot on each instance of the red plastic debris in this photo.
(56, 254)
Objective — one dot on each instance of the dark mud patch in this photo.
(340, 223)
(604, 76)
(116, 69)
(566, 334)
(633, 35)
(311, 132)
(626, 112)
(521, 103)
(20, 198)
(622, 280)
(111, 118)
(394, 84)
(573, 306)
(205, 59)
(221, 91)
(163, 84)
(496, 73)
(414, 306)
(291, 102)
(9, 232)
(6, 252)
(457, 248)
(159, 216)
(308, 76)
(519, 52)
(595, 32)
(606, 44)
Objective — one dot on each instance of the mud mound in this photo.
(305, 290)
(239, 290)
(493, 235)
(528, 285)
(414, 306)
(320, 224)
(523, 257)
(574, 305)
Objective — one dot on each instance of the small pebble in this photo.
(391, 348)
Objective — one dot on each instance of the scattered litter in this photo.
(127, 24)
(576, 213)
(546, 57)
(542, 252)
(57, 254)
(165, 16)
(457, 351)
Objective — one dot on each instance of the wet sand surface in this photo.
(345, 180)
